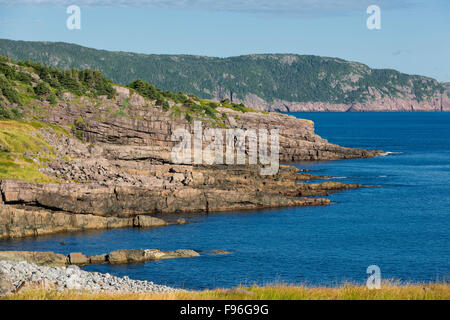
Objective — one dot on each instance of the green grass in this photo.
(20, 146)
(388, 291)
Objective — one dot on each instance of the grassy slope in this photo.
(22, 150)
(389, 291)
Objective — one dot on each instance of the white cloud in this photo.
(316, 7)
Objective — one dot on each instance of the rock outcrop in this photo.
(113, 170)
(17, 222)
(378, 103)
(123, 256)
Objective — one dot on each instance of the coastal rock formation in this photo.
(18, 222)
(106, 163)
(378, 103)
(127, 201)
(146, 134)
(139, 256)
(123, 256)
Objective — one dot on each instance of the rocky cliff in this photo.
(105, 162)
(437, 102)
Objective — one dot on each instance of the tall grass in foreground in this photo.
(389, 291)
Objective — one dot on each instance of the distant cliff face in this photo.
(437, 102)
(276, 82)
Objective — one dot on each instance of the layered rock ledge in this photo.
(123, 256)
(18, 222)
(112, 171)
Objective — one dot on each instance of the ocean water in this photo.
(403, 226)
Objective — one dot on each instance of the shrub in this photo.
(15, 114)
(4, 113)
(12, 114)
(94, 81)
(8, 71)
(146, 89)
(24, 77)
(42, 90)
(165, 105)
(8, 91)
(211, 112)
(52, 99)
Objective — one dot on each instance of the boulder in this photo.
(148, 222)
(98, 259)
(78, 258)
(126, 256)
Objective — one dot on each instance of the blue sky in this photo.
(414, 35)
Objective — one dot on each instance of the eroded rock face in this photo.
(144, 133)
(19, 222)
(123, 171)
(378, 103)
(66, 207)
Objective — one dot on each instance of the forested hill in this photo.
(271, 81)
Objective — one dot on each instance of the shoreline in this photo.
(36, 209)
(16, 277)
(76, 284)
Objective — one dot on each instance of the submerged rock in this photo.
(122, 256)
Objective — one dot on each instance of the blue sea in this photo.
(403, 226)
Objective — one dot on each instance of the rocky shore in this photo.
(20, 276)
(122, 256)
(22, 270)
(109, 169)
(18, 222)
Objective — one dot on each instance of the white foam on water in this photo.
(384, 154)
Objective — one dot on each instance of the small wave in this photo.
(384, 154)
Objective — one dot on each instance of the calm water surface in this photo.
(403, 226)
